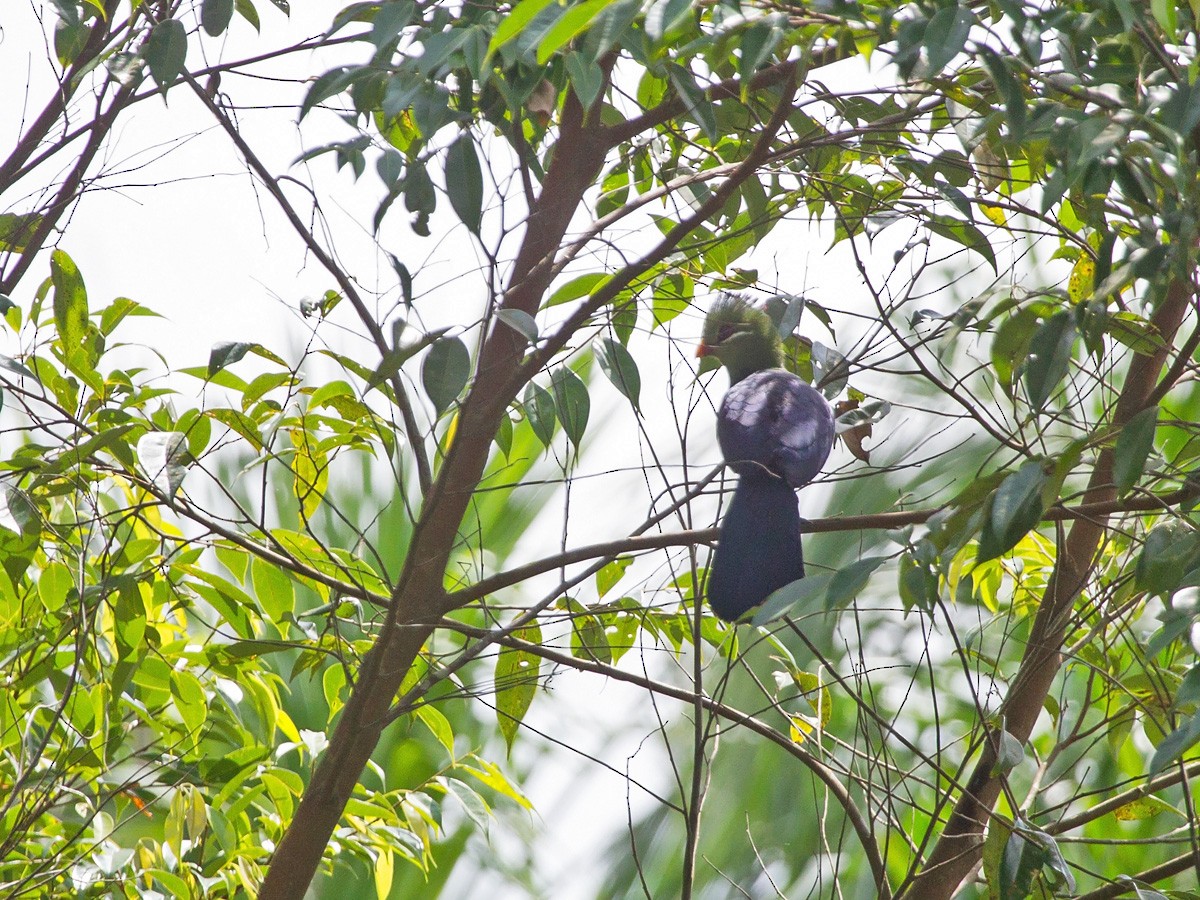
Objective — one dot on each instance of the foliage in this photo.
(228, 666)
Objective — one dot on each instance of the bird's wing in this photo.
(773, 421)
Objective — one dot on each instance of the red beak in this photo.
(703, 350)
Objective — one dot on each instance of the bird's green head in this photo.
(741, 337)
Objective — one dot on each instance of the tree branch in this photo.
(960, 845)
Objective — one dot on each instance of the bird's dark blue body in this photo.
(776, 432)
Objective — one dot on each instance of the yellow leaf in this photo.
(801, 728)
(1143, 808)
(1082, 280)
(310, 468)
(384, 871)
(995, 214)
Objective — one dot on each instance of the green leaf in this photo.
(521, 322)
(1049, 357)
(946, 35)
(445, 372)
(1010, 754)
(758, 43)
(464, 182)
(70, 301)
(1175, 744)
(215, 16)
(15, 231)
(847, 583)
(7, 362)
(247, 10)
(225, 354)
(1168, 554)
(539, 410)
(419, 198)
(575, 20)
(514, 23)
(165, 52)
(474, 805)
(70, 35)
(310, 468)
(664, 16)
(578, 287)
(1015, 508)
(325, 86)
(672, 295)
(399, 355)
(438, 725)
(516, 682)
(572, 403)
(696, 101)
(806, 593)
(963, 233)
(273, 588)
(611, 574)
(587, 78)
(619, 367)
(1134, 444)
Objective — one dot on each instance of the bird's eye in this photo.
(725, 332)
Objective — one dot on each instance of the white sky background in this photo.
(182, 229)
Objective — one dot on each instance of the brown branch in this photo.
(419, 597)
(883, 521)
(1150, 876)
(960, 845)
(56, 107)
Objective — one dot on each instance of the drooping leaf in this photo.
(946, 35)
(572, 403)
(15, 231)
(215, 16)
(464, 182)
(165, 52)
(514, 23)
(1134, 444)
(619, 366)
(70, 299)
(516, 682)
(808, 594)
(1049, 358)
(310, 472)
(1015, 508)
(445, 371)
(399, 355)
(573, 22)
(539, 410)
(1169, 553)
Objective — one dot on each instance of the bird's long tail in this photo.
(758, 547)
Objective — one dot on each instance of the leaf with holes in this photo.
(516, 682)
(1049, 357)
